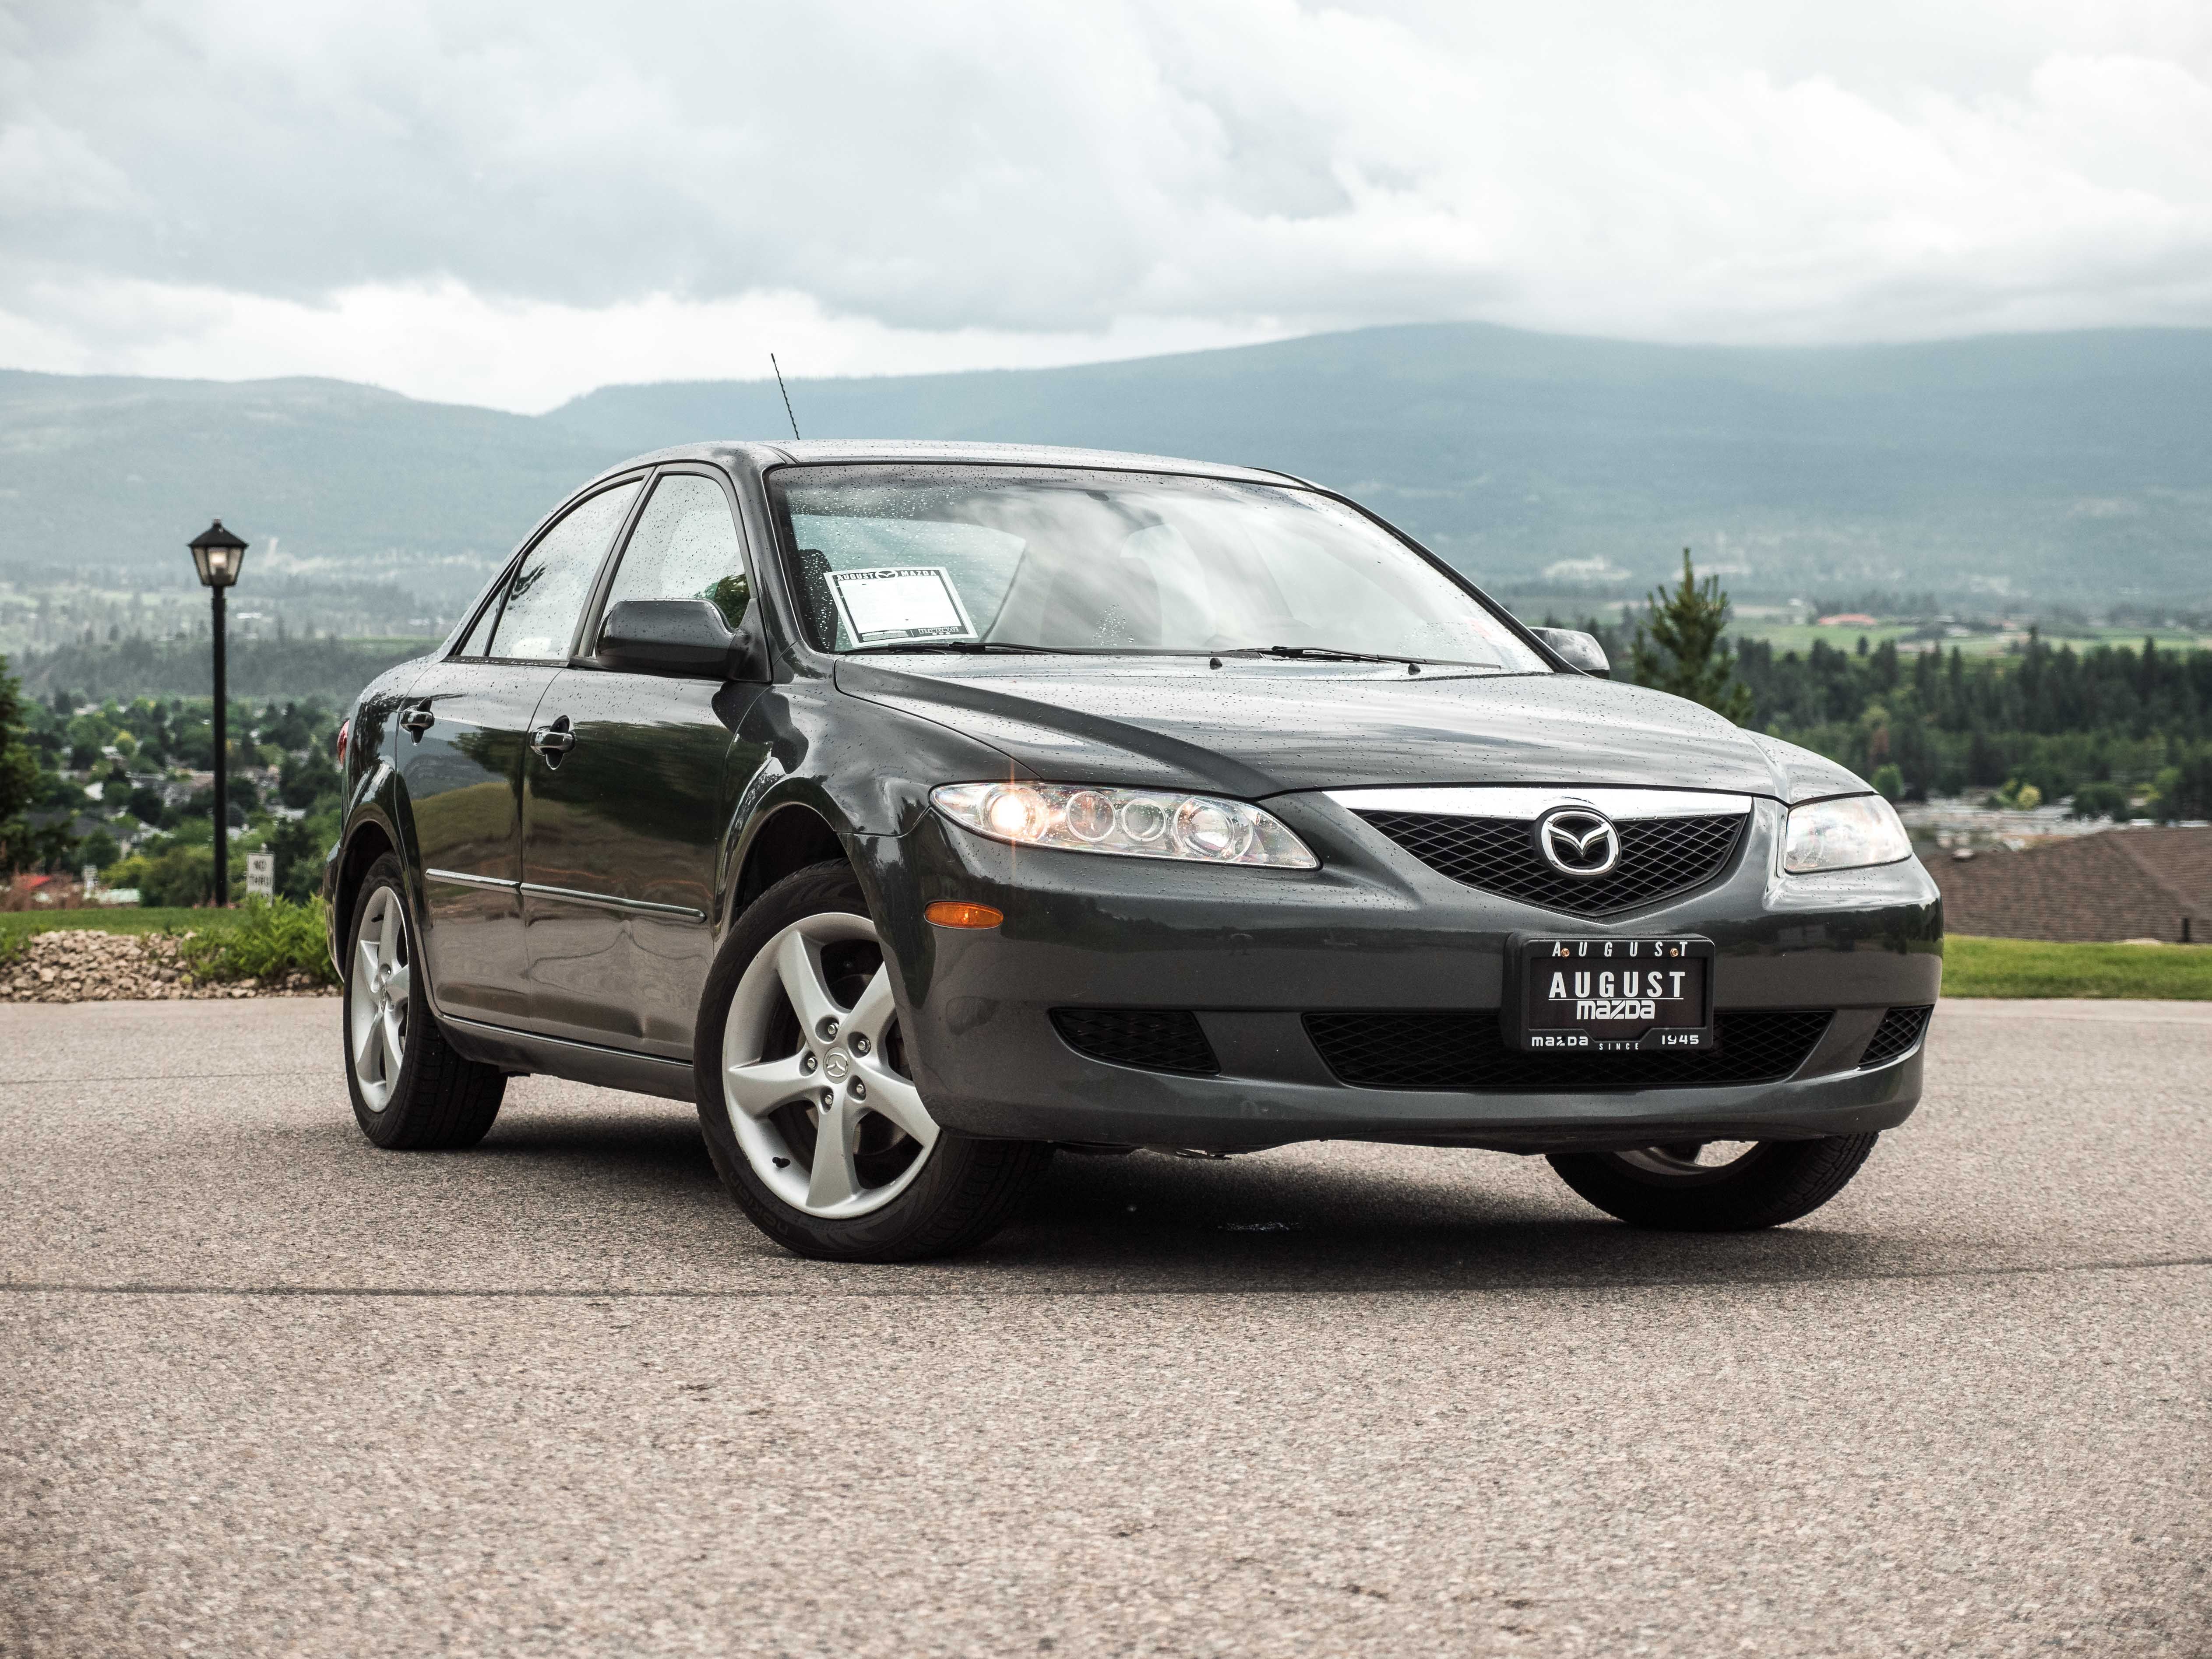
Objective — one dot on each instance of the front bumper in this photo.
(1251, 953)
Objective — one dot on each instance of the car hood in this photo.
(1257, 728)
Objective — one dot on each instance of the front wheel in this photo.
(1716, 1186)
(807, 1101)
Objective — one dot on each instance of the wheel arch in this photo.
(369, 842)
(786, 836)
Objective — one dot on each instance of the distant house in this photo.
(2122, 884)
(1849, 619)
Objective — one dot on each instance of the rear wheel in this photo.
(412, 1092)
(1716, 1186)
(807, 1101)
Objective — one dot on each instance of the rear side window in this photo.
(684, 547)
(554, 579)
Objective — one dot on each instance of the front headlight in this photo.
(1844, 835)
(1138, 824)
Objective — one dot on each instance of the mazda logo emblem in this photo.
(1578, 841)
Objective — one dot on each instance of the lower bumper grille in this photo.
(1154, 1039)
(1898, 1033)
(1468, 1051)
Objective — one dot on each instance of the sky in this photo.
(509, 204)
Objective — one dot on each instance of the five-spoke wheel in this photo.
(410, 1089)
(377, 997)
(808, 1096)
(812, 1070)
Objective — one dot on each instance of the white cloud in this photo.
(508, 204)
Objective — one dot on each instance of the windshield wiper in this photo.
(967, 647)
(1319, 653)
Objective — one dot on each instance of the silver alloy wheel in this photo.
(377, 999)
(1688, 1160)
(837, 1078)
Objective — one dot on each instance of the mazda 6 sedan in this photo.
(916, 810)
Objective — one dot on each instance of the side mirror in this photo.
(1579, 650)
(686, 637)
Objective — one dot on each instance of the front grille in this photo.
(1155, 1039)
(1468, 1051)
(1659, 857)
(1898, 1034)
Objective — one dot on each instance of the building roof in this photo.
(2122, 884)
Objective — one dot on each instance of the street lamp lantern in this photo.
(218, 554)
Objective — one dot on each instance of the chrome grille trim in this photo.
(1531, 800)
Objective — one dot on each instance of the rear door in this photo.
(466, 725)
(623, 827)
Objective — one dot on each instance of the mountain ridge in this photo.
(2074, 466)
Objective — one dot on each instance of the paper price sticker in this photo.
(904, 602)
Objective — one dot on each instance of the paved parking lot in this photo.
(272, 1391)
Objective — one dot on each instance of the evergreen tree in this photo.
(19, 776)
(1684, 654)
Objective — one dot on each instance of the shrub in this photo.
(267, 939)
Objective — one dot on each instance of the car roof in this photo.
(761, 455)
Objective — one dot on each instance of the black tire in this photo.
(1776, 1181)
(964, 1191)
(438, 1102)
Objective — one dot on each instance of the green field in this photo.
(2038, 968)
(1800, 637)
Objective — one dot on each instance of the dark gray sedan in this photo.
(916, 809)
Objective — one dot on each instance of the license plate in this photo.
(1611, 995)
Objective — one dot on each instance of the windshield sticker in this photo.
(903, 602)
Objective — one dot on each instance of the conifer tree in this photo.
(1684, 654)
(19, 776)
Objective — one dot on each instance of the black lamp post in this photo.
(218, 554)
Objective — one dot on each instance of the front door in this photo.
(624, 809)
(465, 728)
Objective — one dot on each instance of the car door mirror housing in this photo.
(686, 637)
(1576, 649)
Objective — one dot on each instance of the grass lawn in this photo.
(2038, 967)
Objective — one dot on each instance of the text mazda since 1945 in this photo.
(915, 809)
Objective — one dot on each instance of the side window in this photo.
(684, 547)
(551, 584)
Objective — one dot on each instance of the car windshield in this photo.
(920, 555)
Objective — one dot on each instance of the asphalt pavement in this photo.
(272, 1391)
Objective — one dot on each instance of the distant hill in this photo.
(351, 481)
(2065, 466)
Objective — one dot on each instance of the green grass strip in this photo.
(2042, 967)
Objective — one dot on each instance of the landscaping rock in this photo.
(82, 964)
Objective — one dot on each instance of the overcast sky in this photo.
(510, 204)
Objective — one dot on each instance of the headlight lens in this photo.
(1844, 835)
(1139, 823)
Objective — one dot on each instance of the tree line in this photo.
(2122, 730)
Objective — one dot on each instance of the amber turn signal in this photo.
(954, 912)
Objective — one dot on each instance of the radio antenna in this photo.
(786, 390)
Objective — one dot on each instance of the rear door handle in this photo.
(418, 719)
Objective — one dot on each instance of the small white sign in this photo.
(904, 602)
(261, 874)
